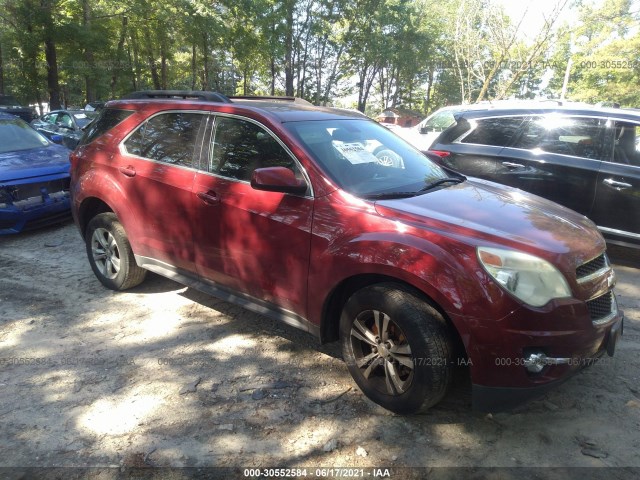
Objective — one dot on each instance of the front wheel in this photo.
(397, 348)
(110, 253)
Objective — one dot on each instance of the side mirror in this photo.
(277, 179)
(57, 139)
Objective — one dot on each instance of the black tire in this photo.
(409, 367)
(110, 253)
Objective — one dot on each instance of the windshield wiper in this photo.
(390, 195)
(442, 181)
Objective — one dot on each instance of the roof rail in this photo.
(300, 101)
(179, 94)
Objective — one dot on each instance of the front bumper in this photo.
(52, 208)
(495, 398)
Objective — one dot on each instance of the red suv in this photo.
(329, 222)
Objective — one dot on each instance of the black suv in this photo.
(581, 156)
(9, 104)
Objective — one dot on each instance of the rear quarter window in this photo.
(167, 138)
(108, 118)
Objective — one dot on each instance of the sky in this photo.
(535, 12)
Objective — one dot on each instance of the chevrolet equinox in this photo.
(331, 223)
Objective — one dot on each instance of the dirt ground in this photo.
(164, 376)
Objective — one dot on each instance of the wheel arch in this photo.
(89, 208)
(332, 309)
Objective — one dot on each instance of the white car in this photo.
(423, 135)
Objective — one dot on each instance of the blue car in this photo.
(34, 178)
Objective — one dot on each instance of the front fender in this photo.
(427, 266)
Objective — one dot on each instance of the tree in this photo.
(490, 57)
(605, 52)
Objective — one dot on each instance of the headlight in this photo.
(530, 279)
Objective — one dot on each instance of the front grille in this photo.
(587, 269)
(602, 309)
(31, 190)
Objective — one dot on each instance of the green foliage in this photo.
(417, 54)
(605, 53)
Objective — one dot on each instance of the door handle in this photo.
(210, 198)
(610, 182)
(128, 171)
(512, 165)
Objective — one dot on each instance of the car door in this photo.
(156, 173)
(557, 157)
(616, 209)
(249, 241)
(66, 127)
(47, 124)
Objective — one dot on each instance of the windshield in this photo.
(366, 159)
(17, 135)
(439, 121)
(82, 119)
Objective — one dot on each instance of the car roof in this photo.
(577, 109)
(8, 116)
(282, 109)
(72, 111)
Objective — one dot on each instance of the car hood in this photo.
(36, 162)
(483, 212)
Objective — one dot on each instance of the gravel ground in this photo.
(164, 376)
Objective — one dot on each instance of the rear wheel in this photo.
(110, 253)
(397, 347)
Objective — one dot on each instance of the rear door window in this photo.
(575, 136)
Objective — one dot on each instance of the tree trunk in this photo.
(119, 54)
(273, 76)
(164, 77)
(53, 82)
(205, 61)
(152, 61)
(194, 63)
(1, 71)
(429, 89)
(89, 67)
(332, 77)
(288, 49)
(51, 57)
(367, 76)
(134, 59)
